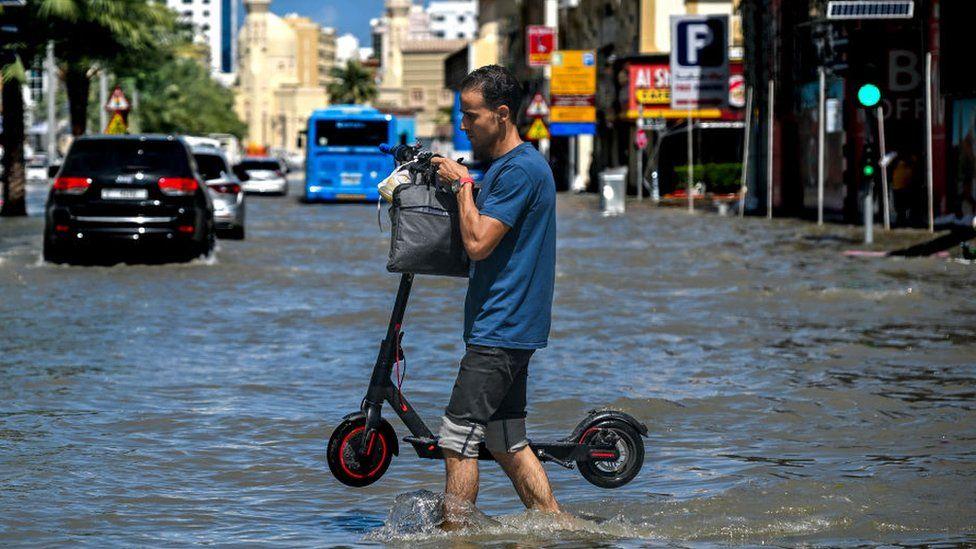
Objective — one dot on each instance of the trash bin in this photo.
(613, 190)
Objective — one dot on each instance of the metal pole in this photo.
(551, 20)
(640, 155)
(928, 139)
(571, 161)
(769, 152)
(134, 113)
(821, 139)
(868, 208)
(52, 97)
(691, 164)
(884, 169)
(745, 154)
(103, 99)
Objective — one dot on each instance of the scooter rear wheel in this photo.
(613, 474)
(348, 463)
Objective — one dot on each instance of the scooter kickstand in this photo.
(543, 456)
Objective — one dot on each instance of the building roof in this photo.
(432, 46)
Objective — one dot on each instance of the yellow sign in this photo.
(573, 114)
(573, 87)
(538, 130)
(116, 126)
(573, 72)
(676, 113)
(653, 96)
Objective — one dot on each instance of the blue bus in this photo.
(342, 162)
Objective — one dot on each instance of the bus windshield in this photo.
(351, 133)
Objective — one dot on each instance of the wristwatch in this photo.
(457, 184)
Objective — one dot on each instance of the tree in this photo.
(14, 174)
(181, 97)
(94, 35)
(352, 84)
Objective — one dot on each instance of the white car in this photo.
(37, 169)
(262, 175)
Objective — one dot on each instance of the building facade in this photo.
(278, 83)
(214, 25)
(453, 19)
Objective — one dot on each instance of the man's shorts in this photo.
(488, 402)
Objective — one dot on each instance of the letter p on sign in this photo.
(701, 43)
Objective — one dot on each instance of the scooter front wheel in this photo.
(629, 446)
(353, 464)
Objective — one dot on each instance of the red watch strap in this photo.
(464, 180)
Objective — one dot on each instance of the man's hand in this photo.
(449, 170)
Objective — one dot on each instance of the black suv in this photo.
(115, 193)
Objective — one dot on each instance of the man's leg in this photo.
(461, 488)
(528, 478)
(483, 380)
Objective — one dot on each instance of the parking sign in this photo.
(699, 61)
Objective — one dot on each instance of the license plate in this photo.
(351, 178)
(124, 194)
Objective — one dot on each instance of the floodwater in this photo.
(792, 395)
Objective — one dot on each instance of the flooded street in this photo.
(792, 395)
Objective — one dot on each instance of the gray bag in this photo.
(426, 235)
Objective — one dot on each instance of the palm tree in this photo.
(93, 35)
(352, 84)
(14, 174)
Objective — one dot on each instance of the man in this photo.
(510, 234)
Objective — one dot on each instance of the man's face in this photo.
(484, 126)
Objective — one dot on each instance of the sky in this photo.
(345, 15)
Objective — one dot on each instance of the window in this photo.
(460, 19)
(187, 13)
(416, 96)
(205, 27)
(206, 13)
(439, 34)
(351, 133)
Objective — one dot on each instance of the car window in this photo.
(210, 166)
(260, 165)
(97, 157)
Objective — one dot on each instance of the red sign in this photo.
(641, 139)
(117, 102)
(540, 42)
(650, 86)
(538, 107)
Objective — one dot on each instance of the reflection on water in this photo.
(792, 395)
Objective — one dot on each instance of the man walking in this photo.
(509, 233)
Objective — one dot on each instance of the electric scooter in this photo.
(606, 446)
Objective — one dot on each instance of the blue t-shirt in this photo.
(509, 300)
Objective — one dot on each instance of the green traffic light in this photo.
(868, 95)
(868, 170)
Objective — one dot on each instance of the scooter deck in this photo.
(564, 452)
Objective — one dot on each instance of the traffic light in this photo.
(868, 91)
(869, 162)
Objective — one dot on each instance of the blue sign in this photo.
(558, 129)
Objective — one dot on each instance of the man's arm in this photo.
(480, 233)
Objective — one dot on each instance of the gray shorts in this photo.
(488, 402)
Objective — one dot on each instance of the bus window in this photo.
(350, 133)
(403, 138)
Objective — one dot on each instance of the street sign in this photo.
(540, 42)
(573, 92)
(117, 101)
(538, 107)
(640, 139)
(699, 61)
(116, 126)
(538, 130)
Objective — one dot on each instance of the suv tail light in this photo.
(226, 188)
(178, 186)
(72, 185)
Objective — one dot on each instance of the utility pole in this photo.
(52, 113)
(551, 20)
(103, 99)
